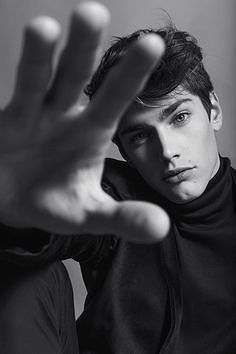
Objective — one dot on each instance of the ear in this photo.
(216, 112)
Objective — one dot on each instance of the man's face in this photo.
(173, 146)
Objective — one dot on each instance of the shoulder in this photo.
(233, 173)
(232, 169)
(123, 182)
(120, 178)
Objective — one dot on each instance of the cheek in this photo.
(203, 152)
(207, 146)
(201, 142)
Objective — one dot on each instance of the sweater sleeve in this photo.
(33, 247)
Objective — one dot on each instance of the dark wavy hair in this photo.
(181, 65)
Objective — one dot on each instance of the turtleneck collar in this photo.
(213, 205)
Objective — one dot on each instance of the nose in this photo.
(168, 146)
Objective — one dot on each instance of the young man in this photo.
(177, 296)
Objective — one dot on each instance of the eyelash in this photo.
(180, 123)
(134, 139)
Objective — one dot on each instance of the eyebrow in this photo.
(170, 109)
(165, 113)
(133, 128)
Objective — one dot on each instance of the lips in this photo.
(177, 174)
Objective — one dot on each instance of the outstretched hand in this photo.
(52, 149)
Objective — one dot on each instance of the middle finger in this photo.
(79, 57)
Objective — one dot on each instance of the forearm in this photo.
(25, 246)
(33, 247)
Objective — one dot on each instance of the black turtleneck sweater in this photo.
(206, 240)
(146, 299)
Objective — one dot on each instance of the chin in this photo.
(187, 192)
(183, 199)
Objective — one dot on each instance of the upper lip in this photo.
(175, 171)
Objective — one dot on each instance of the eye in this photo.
(140, 137)
(181, 118)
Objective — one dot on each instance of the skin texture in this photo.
(156, 143)
(52, 150)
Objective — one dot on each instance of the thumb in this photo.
(136, 221)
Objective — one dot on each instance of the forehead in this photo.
(138, 113)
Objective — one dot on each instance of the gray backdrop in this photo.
(211, 21)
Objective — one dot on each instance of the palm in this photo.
(52, 150)
(43, 168)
